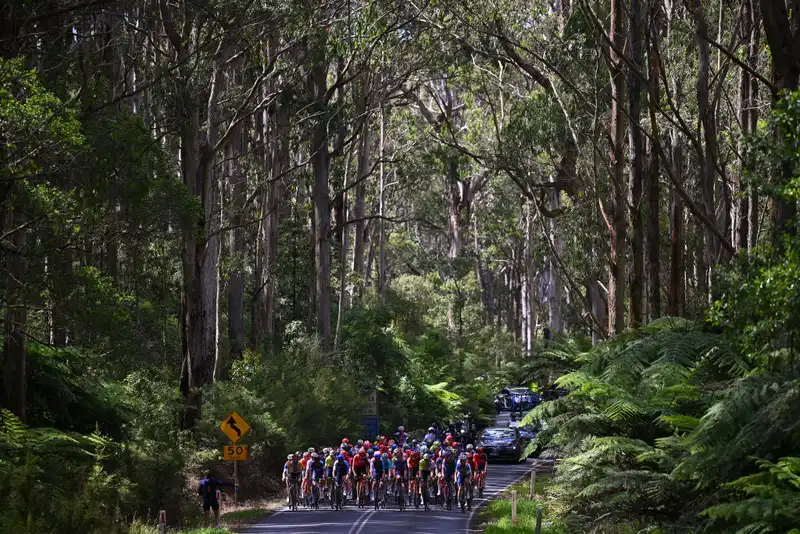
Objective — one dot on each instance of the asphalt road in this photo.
(351, 520)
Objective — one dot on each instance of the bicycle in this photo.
(481, 482)
(361, 490)
(464, 499)
(448, 494)
(425, 491)
(413, 488)
(337, 500)
(315, 495)
(305, 492)
(378, 492)
(294, 494)
(401, 494)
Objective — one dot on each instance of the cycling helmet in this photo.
(414, 442)
(345, 440)
(290, 457)
(311, 450)
(332, 453)
(430, 429)
(470, 447)
(427, 456)
(314, 456)
(367, 444)
(296, 456)
(362, 451)
(437, 444)
(360, 442)
(298, 453)
(306, 454)
(423, 449)
(385, 455)
(463, 457)
(370, 453)
(340, 458)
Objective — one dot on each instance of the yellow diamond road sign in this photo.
(234, 426)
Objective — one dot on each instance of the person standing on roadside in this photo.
(208, 491)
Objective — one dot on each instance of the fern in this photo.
(769, 500)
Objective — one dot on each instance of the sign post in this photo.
(514, 506)
(162, 522)
(235, 427)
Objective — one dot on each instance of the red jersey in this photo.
(359, 461)
(413, 460)
(479, 460)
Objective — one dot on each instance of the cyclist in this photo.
(305, 489)
(479, 462)
(377, 473)
(208, 491)
(341, 469)
(359, 466)
(291, 472)
(464, 470)
(413, 462)
(399, 469)
(401, 435)
(316, 471)
(448, 469)
(330, 459)
(430, 437)
(426, 465)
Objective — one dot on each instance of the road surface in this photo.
(352, 520)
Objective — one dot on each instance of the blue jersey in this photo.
(208, 488)
(400, 465)
(449, 467)
(316, 469)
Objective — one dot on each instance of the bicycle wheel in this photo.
(401, 498)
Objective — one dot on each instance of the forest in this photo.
(273, 207)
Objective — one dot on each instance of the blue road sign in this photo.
(370, 427)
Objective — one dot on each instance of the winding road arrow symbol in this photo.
(232, 423)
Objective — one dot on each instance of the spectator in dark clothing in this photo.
(208, 491)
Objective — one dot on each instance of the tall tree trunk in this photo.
(554, 294)
(634, 90)
(742, 216)
(15, 321)
(320, 159)
(619, 226)
(598, 308)
(279, 163)
(707, 127)
(381, 214)
(653, 183)
(752, 60)
(676, 290)
(783, 37)
(344, 291)
(528, 287)
(238, 183)
(363, 108)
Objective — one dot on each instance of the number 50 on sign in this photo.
(234, 452)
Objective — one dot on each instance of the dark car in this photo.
(500, 443)
(519, 398)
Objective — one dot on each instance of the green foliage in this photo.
(769, 501)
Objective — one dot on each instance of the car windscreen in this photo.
(492, 434)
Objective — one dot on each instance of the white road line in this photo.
(361, 523)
